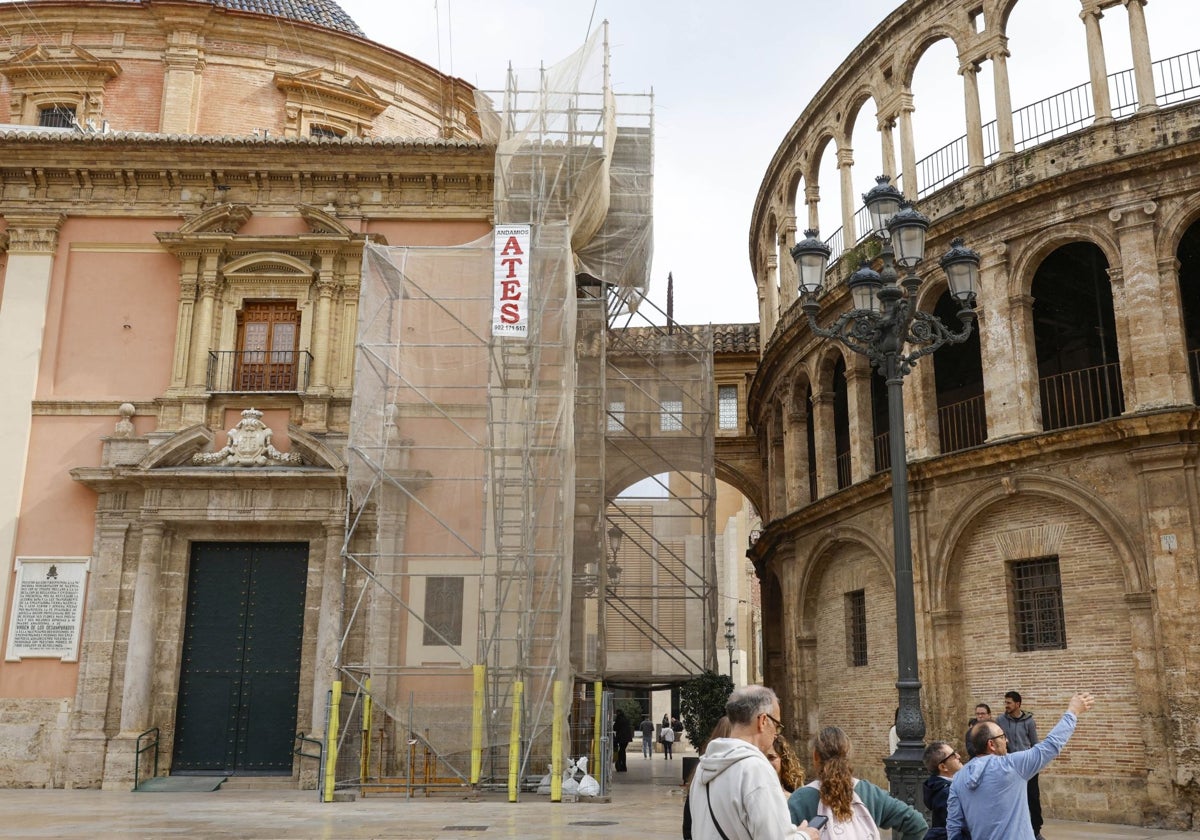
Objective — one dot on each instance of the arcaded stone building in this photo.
(1053, 459)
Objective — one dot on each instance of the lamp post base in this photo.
(906, 774)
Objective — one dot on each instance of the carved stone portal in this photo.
(249, 445)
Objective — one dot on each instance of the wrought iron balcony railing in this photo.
(962, 425)
(1083, 396)
(258, 371)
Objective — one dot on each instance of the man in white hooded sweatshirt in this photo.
(735, 792)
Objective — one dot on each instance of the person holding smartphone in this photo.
(735, 793)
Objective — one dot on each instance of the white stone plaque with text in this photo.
(47, 608)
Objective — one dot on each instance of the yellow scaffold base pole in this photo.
(556, 746)
(480, 672)
(514, 744)
(331, 737)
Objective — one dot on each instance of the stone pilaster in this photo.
(825, 439)
(1154, 370)
(139, 657)
(88, 741)
(32, 242)
(862, 427)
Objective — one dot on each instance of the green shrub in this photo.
(702, 704)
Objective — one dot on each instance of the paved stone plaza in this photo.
(647, 803)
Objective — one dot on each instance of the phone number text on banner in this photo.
(510, 294)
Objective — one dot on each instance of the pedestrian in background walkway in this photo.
(647, 730)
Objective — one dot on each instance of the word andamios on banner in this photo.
(510, 293)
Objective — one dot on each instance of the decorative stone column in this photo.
(1143, 69)
(202, 325)
(970, 73)
(908, 151)
(1097, 67)
(887, 144)
(845, 164)
(319, 380)
(772, 290)
(789, 280)
(1154, 372)
(1005, 136)
(32, 241)
(812, 199)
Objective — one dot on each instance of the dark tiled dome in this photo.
(324, 13)
(321, 12)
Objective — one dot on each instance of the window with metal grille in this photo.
(671, 419)
(727, 407)
(324, 131)
(856, 627)
(56, 116)
(616, 411)
(1037, 605)
(443, 610)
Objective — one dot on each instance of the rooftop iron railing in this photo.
(1177, 79)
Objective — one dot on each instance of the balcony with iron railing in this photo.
(962, 425)
(1194, 367)
(1177, 79)
(843, 470)
(258, 371)
(1083, 396)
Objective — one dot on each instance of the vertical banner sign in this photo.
(510, 293)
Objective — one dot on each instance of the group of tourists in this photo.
(749, 785)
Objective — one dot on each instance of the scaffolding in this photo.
(480, 464)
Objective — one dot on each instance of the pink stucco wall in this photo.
(110, 324)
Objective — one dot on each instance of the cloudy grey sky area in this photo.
(729, 79)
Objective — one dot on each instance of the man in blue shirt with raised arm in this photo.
(989, 796)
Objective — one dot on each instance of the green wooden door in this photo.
(240, 678)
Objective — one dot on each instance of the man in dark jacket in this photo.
(942, 761)
(982, 712)
(1021, 732)
(622, 735)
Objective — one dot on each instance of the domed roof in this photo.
(324, 13)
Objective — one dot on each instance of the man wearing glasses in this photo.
(942, 761)
(989, 797)
(735, 792)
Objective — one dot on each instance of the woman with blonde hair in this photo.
(844, 799)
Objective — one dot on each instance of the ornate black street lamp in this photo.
(885, 326)
(730, 644)
(614, 547)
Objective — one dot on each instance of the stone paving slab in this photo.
(646, 804)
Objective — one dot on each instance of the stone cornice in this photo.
(187, 176)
